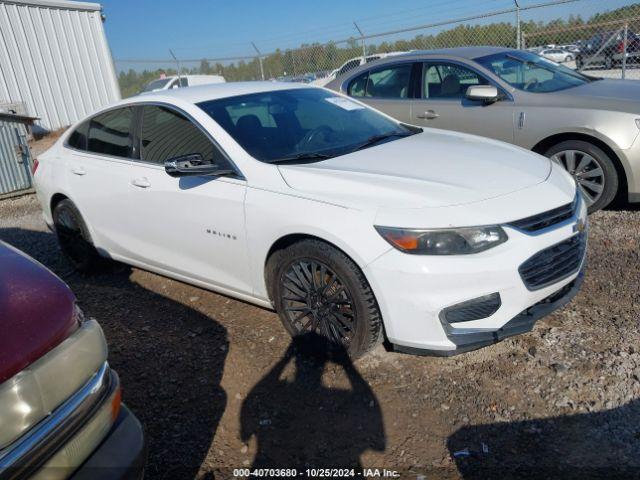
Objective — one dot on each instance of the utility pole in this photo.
(517, 24)
(259, 59)
(364, 47)
(178, 64)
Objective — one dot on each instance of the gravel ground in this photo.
(218, 385)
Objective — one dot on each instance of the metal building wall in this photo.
(54, 57)
(15, 159)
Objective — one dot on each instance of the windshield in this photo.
(301, 124)
(156, 84)
(532, 73)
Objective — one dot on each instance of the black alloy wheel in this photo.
(316, 300)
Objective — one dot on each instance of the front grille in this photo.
(554, 263)
(548, 218)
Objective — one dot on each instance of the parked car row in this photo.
(607, 49)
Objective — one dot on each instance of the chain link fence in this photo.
(604, 44)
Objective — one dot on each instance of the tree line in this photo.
(318, 58)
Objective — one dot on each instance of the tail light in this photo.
(35, 166)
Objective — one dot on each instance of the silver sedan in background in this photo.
(588, 125)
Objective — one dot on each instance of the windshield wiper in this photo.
(377, 138)
(301, 157)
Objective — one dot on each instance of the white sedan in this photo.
(557, 55)
(348, 223)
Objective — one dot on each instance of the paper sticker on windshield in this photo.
(344, 103)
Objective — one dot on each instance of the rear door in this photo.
(443, 104)
(388, 88)
(98, 156)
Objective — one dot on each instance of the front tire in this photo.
(74, 238)
(316, 288)
(592, 169)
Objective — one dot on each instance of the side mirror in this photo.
(193, 165)
(483, 93)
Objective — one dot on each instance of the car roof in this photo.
(463, 52)
(202, 93)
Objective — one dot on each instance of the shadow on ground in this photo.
(590, 445)
(302, 422)
(169, 356)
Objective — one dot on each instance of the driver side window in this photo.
(167, 134)
(448, 80)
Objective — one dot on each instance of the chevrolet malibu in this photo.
(347, 222)
(60, 403)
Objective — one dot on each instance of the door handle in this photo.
(141, 182)
(78, 171)
(428, 115)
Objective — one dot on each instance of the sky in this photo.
(194, 29)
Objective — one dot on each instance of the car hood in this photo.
(606, 94)
(36, 311)
(431, 169)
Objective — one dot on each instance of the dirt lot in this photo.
(218, 386)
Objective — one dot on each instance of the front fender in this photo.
(271, 216)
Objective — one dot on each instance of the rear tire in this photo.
(593, 170)
(318, 289)
(74, 238)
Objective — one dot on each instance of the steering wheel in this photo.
(530, 83)
(312, 135)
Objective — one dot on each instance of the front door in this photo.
(190, 226)
(442, 103)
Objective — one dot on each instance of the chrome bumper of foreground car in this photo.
(122, 454)
(521, 323)
(27, 454)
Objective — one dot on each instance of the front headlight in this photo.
(456, 241)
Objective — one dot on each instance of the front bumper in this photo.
(121, 455)
(521, 323)
(413, 291)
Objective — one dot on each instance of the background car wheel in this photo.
(317, 288)
(608, 63)
(568, 58)
(592, 169)
(73, 237)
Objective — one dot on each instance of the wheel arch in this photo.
(545, 144)
(56, 198)
(289, 239)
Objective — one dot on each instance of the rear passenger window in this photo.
(358, 85)
(78, 138)
(167, 134)
(392, 82)
(110, 133)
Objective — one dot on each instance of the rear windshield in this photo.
(156, 84)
